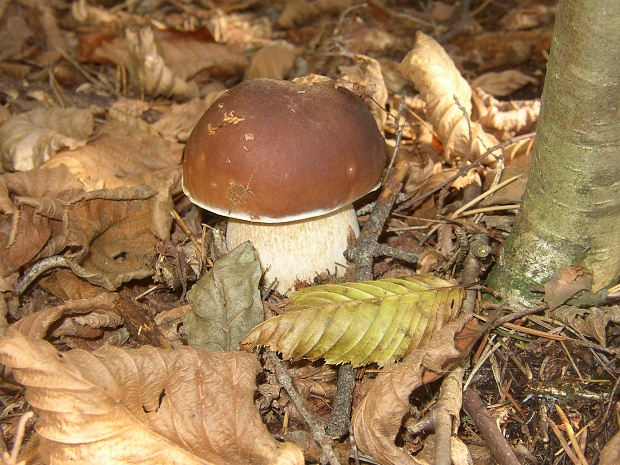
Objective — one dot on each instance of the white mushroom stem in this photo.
(298, 250)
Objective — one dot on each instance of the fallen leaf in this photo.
(274, 61)
(121, 156)
(433, 73)
(566, 283)
(591, 322)
(504, 83)
(226, 302)
(148, 71)
(112, 233)
(297, 12)
(360, 323)
(144, 405)
(30, 139)
(378, 418)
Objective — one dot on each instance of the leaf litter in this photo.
(98, 102)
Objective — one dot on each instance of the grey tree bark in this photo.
(570, 211)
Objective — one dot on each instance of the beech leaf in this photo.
(435, 76)
(360, 323)
(146, 405)
(226, 302)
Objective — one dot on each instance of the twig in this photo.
(496, 442)
(316, 429)
(362, 254)
(569, 453)
(571, 434)
(43, 265)
(367, 246)
(19, 438)
(399, 135)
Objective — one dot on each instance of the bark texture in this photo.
(571, 208)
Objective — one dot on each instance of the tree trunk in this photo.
(571, 207)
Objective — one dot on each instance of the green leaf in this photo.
(360, 323)
(226, 302)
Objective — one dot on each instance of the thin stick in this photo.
(571, 434)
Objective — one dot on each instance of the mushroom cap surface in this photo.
(274, 151)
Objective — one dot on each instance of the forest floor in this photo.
(101, 250)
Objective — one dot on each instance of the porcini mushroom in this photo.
(285, 161)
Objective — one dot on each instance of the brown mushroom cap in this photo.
(273, 151)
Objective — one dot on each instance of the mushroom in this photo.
(284, 161)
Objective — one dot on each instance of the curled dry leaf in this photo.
(146, 405)
(273, 61)
(377, 419)
(121, 156)
(367, 72)
(435, 76)
(226, 302)
(177, 123)
(30, 139)
(297, 12)
(504, 83)
(149, 73)
(360, 323)
(590, 322)
(112, 232)
(566, 283)
(506, 119)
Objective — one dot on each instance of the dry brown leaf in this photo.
(566, 283)
(145, 405)
(86, 14)
(367, 72)
(504, 83)
(506, 119)
(377, 419)
(177, 123)
(112, 233)
(30, 139)
(273, 61)
(121, 156)
(63, 319)
(149, 73)
(298, 12)
(435, 76)
(590, 322)
(528, 17)
(610, 455)
(13, 37)
(509, 194)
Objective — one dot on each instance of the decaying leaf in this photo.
(149, 73)
(297, 12)
(273, 61)
(146, 405)
(367, 72)
(566, 283)
(504, 83)
(435, 76)
(378, 418)
(360, 323)
(591, 322)
(113, 233)
(226, 302)
(30, 139)
(119, 156)
(506, 119)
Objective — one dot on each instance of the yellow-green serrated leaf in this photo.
(360, 323)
